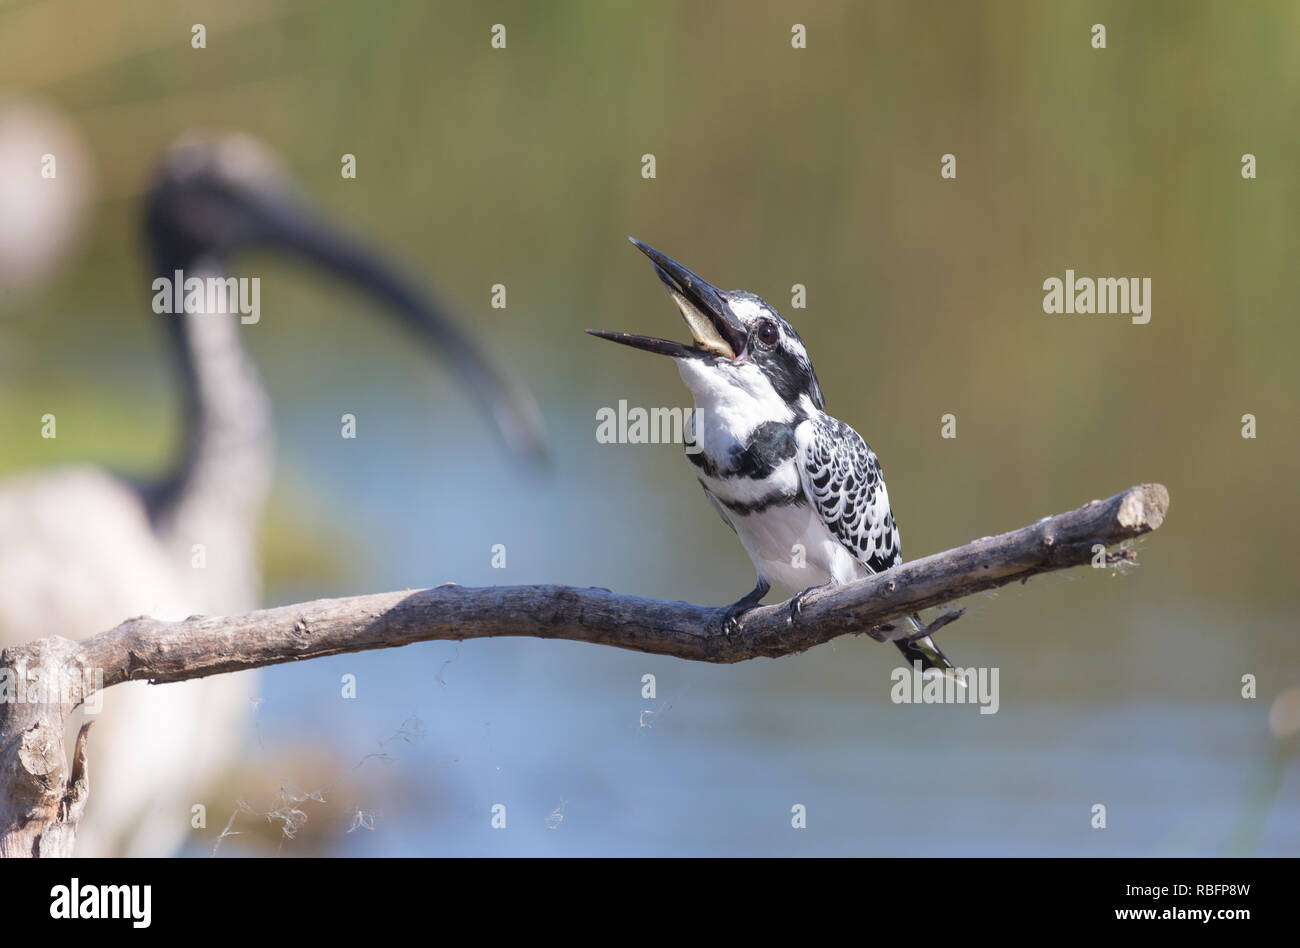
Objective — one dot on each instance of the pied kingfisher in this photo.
(802, 490)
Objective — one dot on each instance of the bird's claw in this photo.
(881, 633)
(796, 601)
(732, 614)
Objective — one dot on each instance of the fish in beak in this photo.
(715, 330)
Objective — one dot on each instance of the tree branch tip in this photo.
(1144, 507)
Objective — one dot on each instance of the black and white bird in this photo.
(802, 490)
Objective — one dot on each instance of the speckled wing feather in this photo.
(841, 478)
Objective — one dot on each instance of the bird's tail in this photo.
(925, 651)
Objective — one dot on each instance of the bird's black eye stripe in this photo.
(767, 332)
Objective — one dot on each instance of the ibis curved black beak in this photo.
(716, 331)
(212, 200)
(510, 405)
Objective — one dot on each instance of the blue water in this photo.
(717, 766)
(1110, 711)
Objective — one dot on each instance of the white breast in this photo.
(749, 490)
(791, 546)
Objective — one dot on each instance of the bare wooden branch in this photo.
(199, 646)
(34, 791)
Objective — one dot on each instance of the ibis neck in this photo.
(215, 495)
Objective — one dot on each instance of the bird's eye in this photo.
(767, 332)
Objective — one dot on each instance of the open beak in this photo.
(513, 409)
(715, 330)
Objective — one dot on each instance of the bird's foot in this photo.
(732, 614)
(881, 633)
(731, 620)
(796, 601)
